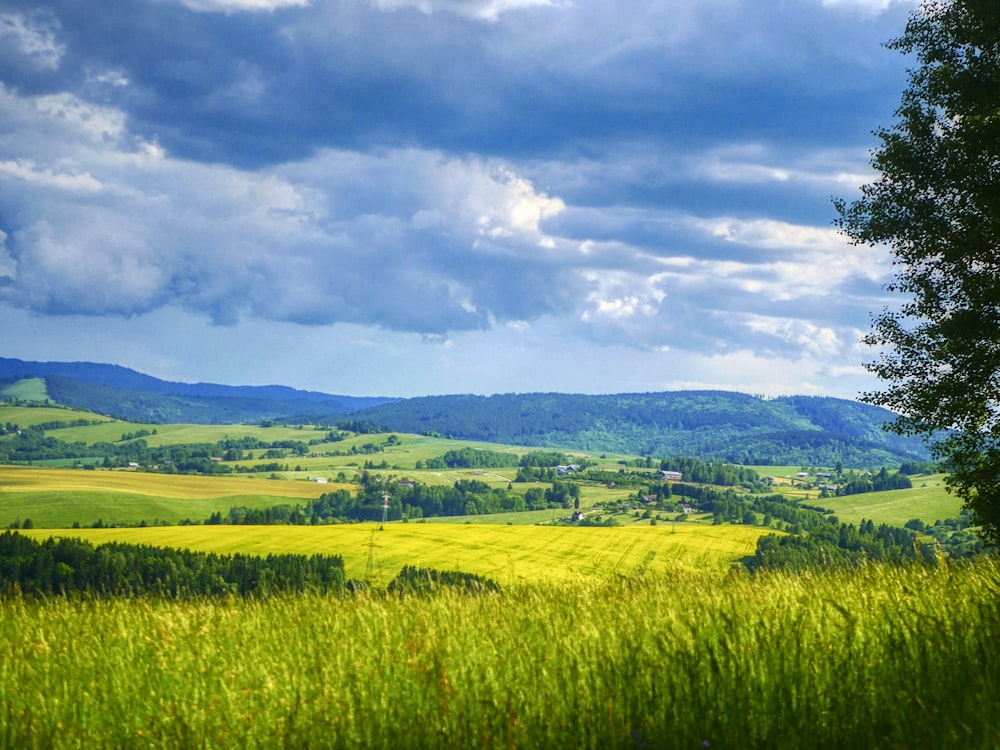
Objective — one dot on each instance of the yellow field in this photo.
(28, 478)
(507, 554)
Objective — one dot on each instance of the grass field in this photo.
(26, 416)
(404, 454)
(928, 501)
(875, 657)
(177, 434)
(26, 389)
(508, 554)
(59, 497)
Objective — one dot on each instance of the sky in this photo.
(419, 197)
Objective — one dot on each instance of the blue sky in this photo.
(411, 197)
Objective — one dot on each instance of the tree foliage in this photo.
(936, 205)
(72, 566)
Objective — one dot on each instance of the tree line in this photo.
(837, 545)
(68, 566)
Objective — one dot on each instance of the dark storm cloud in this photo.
(256, 88)
(658, 178)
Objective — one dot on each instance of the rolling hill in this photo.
(120, 392)
(735, 427)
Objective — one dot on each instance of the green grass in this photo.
(927, 500)
(27, 389)
(875, 657)
(57, 498)
(26, 416)
(178, 434)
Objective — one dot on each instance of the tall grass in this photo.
(875, 657)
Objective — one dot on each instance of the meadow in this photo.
(29, 416)
(928, 500)
(25, 389)
(871, 657)
(59, 497)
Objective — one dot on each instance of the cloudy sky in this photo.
(410, 197)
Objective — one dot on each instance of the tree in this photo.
(936, 205)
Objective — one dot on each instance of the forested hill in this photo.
(127, 394)
(794, 430)
(743, 429)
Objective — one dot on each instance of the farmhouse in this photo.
(671, 476)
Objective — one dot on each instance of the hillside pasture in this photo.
(26, 389)
(178, 434)
(408, 449)
(928, 500)
(57, 498)
(507, 554)
(28, 416)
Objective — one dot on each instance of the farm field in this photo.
(927, 500)
(508, 554)
(60, 497)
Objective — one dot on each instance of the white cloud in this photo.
(231, 6)
(34, 36)
(340, 235)
(25, 170)
(83, 120)
(803, 335)
(757, 164)
(771, 234)
(485, 10)
(868, 7)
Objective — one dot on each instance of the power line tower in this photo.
(370, 572)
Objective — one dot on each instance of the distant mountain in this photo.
(127, 394)
(792, 430)
(795, 430)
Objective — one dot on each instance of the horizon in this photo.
(423, 197)
(758, 396)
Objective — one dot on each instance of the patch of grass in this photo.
(927, 500)
(26, 416)
(57, 498)
(26, 389)
(179, 434)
